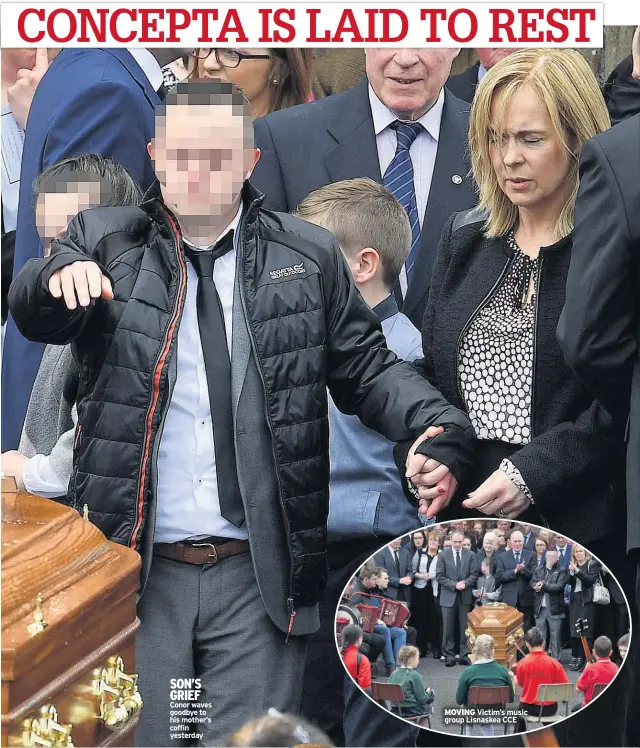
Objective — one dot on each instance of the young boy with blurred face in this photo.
(207, 330)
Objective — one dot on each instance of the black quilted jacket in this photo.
(310, 330)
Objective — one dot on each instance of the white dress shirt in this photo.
(423, 150)
(482, 71)
(149, 65)
(187, 492)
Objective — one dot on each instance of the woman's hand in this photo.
(498, 493)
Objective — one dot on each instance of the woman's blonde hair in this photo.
(568, 89)
(485, 647)
(587, 555)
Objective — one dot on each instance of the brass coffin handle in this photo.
(120, 699)
(46, 731)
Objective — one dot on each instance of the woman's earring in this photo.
(274, 82)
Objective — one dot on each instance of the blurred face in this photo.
(408, 81)
(447, 543)
(504, 526)
(581, 555)
(540, 547)
(489, 545)
(517, 541)
(466, 543)
(395, 544)
(527, 529)
(201, 158)
(530, 162)
(250, 76)
(458, 524)
(485, 568)
(488, 56)
(383, 581)
(456, 541)
(551, 558)
(418, 540)
(370, 582)
(560, 541)
(477, 528)
(623, 651)
(433, 545)
(500, 538)
(54, 210)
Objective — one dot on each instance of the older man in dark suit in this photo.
(514, 572)
(399, 127)
(456, 573)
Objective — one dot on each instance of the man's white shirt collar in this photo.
(383, 116)
(149, 65)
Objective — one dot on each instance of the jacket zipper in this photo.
(155, 394)
(471, 319)
(290, 603)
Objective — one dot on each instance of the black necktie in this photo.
(517, 558)
(458, 566)
(395, 553)
(217, 364)
(162, 92)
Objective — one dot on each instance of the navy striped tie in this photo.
(398, 179)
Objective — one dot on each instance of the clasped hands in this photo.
(436, 486)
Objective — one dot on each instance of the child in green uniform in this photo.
(417, 699)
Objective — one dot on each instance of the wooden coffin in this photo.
(68, 627)
(503, 623)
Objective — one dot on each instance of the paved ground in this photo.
(444, 681)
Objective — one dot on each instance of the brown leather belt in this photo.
(200, 553)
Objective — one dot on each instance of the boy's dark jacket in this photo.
(299, 326)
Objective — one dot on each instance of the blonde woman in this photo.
(584, 571)
(544, 446)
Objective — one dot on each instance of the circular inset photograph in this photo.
(483, 627)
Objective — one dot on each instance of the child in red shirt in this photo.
(600, 671)
(537, 668)
(357, 664)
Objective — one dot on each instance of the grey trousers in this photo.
(459, 613)
(543, 619)
(209, 622)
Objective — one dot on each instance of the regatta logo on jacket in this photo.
(298, 269)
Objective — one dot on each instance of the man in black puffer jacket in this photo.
(548, 583)
(202, 437)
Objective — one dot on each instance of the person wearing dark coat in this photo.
(546, 450)
(463, 85)
(622, 89)
(153, 470)
(599, 332)
(355, 134)
(584, 571)
(548, 583)
(514, 571)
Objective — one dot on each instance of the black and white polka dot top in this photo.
(495, 360)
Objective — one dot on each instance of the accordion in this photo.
(394, 613)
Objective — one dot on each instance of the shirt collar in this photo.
(483, 661)
(231, 226)
(386, 308)
(383, 116)
(482, 71)
(149, 66)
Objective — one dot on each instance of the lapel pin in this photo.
(456, 179)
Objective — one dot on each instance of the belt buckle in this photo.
(213, 556)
